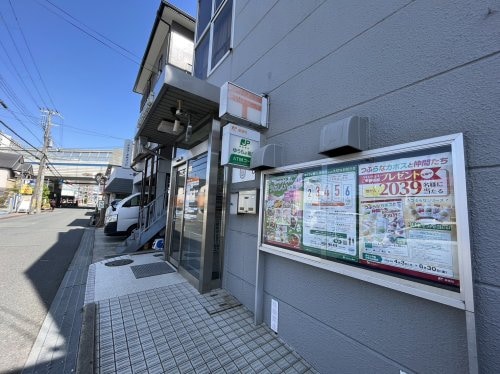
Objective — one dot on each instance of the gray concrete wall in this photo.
(347, 326)
(240, 252)
(417, 69)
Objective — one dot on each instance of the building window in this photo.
(213, 34)
(201, 58)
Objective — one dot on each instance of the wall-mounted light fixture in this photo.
(174, 128)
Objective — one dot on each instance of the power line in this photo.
(24, 140)
(97, 32)
(22, 59)
(9, 92)
(31, 54)
(87, 33)
(150, 69)
(91, 133)
(18, 74)
(50, 164)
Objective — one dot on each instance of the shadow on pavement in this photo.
(48, 272)
(60, 284)
(80, 222)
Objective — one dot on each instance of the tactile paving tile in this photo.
(149, 270)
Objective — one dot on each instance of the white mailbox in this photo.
(247, 202)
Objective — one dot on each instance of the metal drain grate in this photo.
(149, 270)
(119, 262)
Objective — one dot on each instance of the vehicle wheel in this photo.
(130, 229)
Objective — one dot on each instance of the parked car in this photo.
(122, 216)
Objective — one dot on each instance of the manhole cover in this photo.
(119, 262)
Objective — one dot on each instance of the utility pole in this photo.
(36, 198)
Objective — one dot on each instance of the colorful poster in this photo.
(329, 212)
(407, 221)
(396, 215)
(283, 211)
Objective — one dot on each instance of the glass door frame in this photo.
(211, 146)
(170, 214)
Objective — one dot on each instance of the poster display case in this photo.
(395, 216)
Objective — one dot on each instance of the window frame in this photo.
(208, 31)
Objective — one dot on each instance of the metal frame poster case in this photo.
(396, 217)
(391, 210)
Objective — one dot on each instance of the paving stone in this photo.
(156, 369)
(186, 367)
(122, 364)
(213, 364)
(181, 358)
(241, 362)
(168, 364)
(176, 335)
(218, 371)
(231, 368)
(300, 367)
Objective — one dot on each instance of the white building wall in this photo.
(4, 176)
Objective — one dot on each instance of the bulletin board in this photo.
(395, 215)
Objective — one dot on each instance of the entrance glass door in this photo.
(193, 231)
(178, 213)
(194, 217)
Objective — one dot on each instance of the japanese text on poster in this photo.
(329, 220)
(394, 215)
(407, 217)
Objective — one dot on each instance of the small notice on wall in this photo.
(242, 175)
(274, 315)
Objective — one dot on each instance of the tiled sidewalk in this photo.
(173, 329)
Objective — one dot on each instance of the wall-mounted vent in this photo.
(345, 136)
(269, 156)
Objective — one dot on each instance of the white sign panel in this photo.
(242, 175)
(274, 315)
(238, 144)
(242, 106)
(127, 153)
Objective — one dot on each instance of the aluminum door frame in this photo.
(212, 147)
(170, 215)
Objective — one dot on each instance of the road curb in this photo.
(85, 360)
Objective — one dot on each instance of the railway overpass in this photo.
(71, 172)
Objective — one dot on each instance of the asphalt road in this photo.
(35, 252)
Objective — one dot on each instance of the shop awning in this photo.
(119, 185)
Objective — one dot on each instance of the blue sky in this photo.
(88, 83)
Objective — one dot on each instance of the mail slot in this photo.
(247, 202)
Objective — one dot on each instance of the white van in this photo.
(122, 217)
